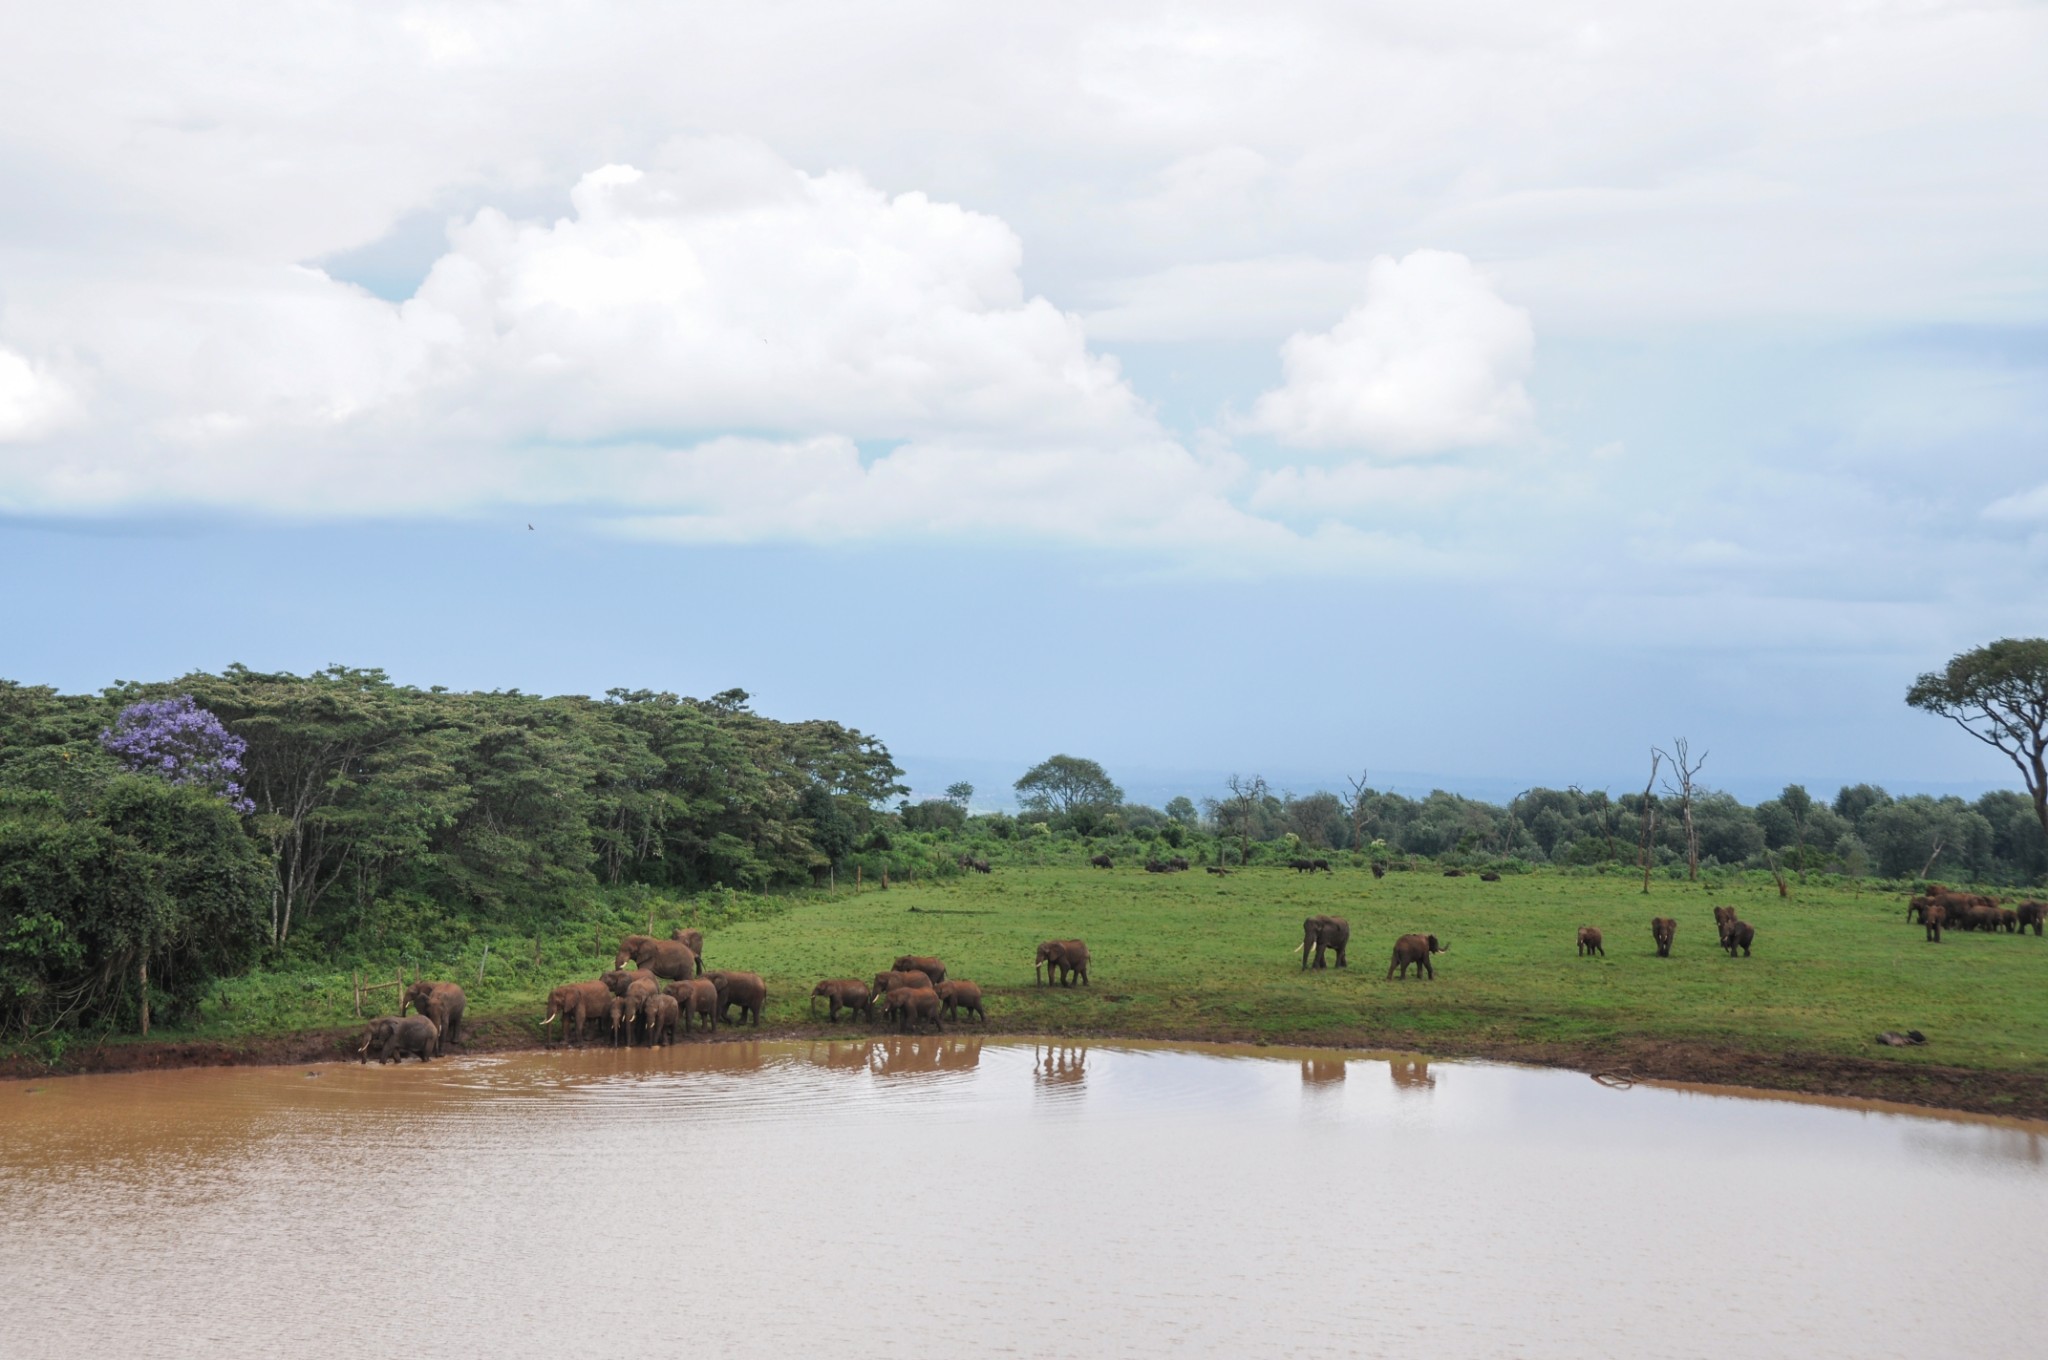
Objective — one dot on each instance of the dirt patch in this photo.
(2017, 1094)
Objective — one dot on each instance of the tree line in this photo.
(196, 824)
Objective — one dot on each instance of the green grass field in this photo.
(1197, 957)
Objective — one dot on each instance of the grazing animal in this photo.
(1324, 932)
(1379, 870)
(1301, 866)
(850, 993)
(1662, 928)
(396, 1036)
(660, 1018)
(1216, 869)
(671, 960)
(1178, 863)
(1489, 877)
(692, 940)
(1934, 918)
(1454, 873)
(2031, 914)
(1415, 949)
(1155, 866)
(442, 1003)
(922, 963)
(2009, 918)
(745, 990)
(961, 996)
(1589, 942)
(577, 1004)
(1102, 861)
(905, 1004)
(980, 866)
(1722, 917)
(1737, 935)
(1063, 961)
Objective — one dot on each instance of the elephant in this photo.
(1722, 917)
(668, 959)
(1737, 935)
(905, 1004)
(922, 963)
(1156, 866)
(2031, 914)
(1179, 864)
(1916, 909)
(692, 940)
(1216, 869)
(2009, 918)
(1301, 866)
(1379, 870)
(1489, 877)
(1454, 873)
(396, 1036)
(441, 1002)
(1662, 928)
(955, 997)
(745, 990)
(1066, 958)
(1415, 949)
(1319, 933)
(1589, 942)
(660, 1019)
(699, 998)
(1102, 861)
(884, 981)
(849, 993)
(578, 1003)
(980, 866)
(615, 1016)
(1934, 918)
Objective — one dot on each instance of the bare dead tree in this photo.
(1928, 867)
(1247, 796)
(1686, 768)
(1649, 814)
(1772, 860)
(1360, 814)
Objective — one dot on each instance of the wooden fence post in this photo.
(145, 997)
(480, 964)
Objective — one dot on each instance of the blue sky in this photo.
(1477, 395)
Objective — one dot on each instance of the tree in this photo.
(176, 739)
(1999, 695)
(1799, 805)
(960, 794)
(1182, 810)
(1065, 785)
(1239, 813)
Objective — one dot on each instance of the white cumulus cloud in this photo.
(1432, 360)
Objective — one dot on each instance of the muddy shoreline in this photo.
(2015, 1094)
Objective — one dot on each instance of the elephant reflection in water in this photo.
(1411, 1074)
(845, 1057)
(902, 1057)
(1322, 1071)
(1060, 1064)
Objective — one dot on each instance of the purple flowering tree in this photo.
(184, 743)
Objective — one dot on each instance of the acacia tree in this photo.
(1067, 785)
(1998, 694)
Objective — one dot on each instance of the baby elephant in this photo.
(395, 1036)
(1737, 935)
(1589, 942)
(913, 1003)
(1662, 928)
(955, 997)
(849, 994)
(659, 1019)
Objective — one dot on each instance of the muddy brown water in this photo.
(948, 1196)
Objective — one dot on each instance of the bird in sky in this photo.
(529, 526)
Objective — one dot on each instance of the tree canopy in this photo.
(1998, 694)
(1064, 785)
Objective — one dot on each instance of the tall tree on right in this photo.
(1998, 694)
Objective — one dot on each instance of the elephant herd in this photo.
(1735, 935)
(914, 987)
(439, 1007)
(632, 1004)
(1329, 936)
(1941, 908)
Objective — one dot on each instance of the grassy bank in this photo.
(1196, 957)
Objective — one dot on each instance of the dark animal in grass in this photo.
(698, 998)
(1416, 949)
(1319, 933)
(658, 1023)
(2009, 918)
(1589, 942)
(1454, 873)
(1156, 866)
(844, 993)
(1321, 864)
(1063, 961)
(576, 1005)
(1217, 870)
(1379, 870)
(1102, 861)
(1916, 909)
(1178, 863)
(1973, 916)
(980, 866)
(1662, 929)
(955, 997)
(2031, 914)
(442, 1003)
(745, 990)
(933, 968)
(669, 959)
(1301, 866)
(1738, 935)
(1722, 916)
(692, 940)
(1934, 918)
(395, 1036)
(1489, 877)
(905, 1004)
